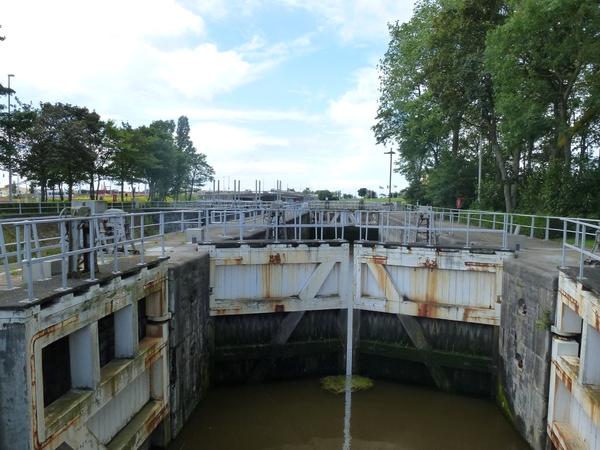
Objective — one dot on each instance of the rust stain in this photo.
(555, 440)
(279, 308)
(425, 310)
(154, 286)
(429, 264)
(466, 314)
(379, 259)
(40, 445)
(431, 285)
(480, 266)
(161, 414)
(275, 259)
(266, 281)
(573, 303)
(566, 379)
(155, 356)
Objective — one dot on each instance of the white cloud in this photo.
(203, 71)
(358, 106)
(357, 18)
(224, 141)
(236, 115)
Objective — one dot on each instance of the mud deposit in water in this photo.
(300, 415)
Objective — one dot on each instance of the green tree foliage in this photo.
(127, 162)
(64, 145)
(516, 81)
(327, 195)
(200, 172)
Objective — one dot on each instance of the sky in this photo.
(274, 90)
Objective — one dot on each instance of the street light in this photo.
(391, 152)
(10, 192)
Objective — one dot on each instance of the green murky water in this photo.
(300, 415)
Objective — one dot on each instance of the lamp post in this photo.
(391, 152)
(10, 190)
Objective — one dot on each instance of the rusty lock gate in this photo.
(278, 278)
(452, 284)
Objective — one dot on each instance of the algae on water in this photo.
(337, 383)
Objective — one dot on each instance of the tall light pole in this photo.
(391, 152)
(10, 190)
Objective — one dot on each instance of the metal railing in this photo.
(529, 225)
(111, 234)
(104, 238)
(583, 230)
(278, 223)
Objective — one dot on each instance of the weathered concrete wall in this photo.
(15, 410)
(529, 293)
(189, 335)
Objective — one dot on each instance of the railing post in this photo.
(564, 249)
(468, 227)
(547, 234)
(581, 260)
(242, 224)
(92, 225)
(162, 233)
(64, 256)
(532, 227)
(27, 231)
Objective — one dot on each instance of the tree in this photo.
(184, 158)
(545, 67)
(127, 163)
(436, 94)
(156, 144)
(200, 172)
(16, 126)
(327, 195)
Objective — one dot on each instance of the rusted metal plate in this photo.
(278, 277)
(574, 294)
(454, 285)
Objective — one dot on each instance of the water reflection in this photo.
(300, 415)
(347, 410)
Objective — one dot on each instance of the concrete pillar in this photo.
(84, 357)
(125, 332)
(15, 426)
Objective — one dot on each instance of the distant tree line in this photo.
(515, 81)
(64, 145)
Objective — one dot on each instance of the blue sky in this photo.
(274, 90)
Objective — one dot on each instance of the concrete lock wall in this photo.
(15, 410)
(190, 333)
(529, 293)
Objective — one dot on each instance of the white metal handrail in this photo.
(583, 229)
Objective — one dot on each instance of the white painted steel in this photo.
(574, 405)
(278, 277)
(107, 422)
(453, 285)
